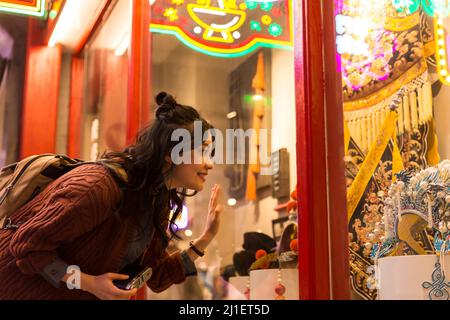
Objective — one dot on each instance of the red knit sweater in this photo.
(73, 220)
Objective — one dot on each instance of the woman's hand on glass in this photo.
(211, 226)
(214, 211)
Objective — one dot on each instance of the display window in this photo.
(233, 61)
(394, 83)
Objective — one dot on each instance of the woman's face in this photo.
(192, 175)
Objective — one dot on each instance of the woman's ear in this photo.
(168, 159)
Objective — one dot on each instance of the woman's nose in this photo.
(208, 163)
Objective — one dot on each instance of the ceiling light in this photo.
(258, 97)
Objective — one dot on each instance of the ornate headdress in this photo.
(417, 201)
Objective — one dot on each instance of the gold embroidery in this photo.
(402, 24)
(377, 97)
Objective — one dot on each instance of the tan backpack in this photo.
(20, 182)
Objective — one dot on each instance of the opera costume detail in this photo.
(388, 65)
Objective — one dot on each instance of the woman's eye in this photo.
(210, 151)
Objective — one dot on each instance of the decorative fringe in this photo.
(415, 108)
(413, 105)
(430, 212)
(406, 113)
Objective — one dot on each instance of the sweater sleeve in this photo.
(188, 265)
(168, 271)
(77, 204)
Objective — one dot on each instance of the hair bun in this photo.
(166, 104)
(163, 98)
(160, 98)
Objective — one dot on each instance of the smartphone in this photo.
(137, 278)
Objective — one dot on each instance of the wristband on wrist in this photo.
(196, 250)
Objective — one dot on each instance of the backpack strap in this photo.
(116, 169)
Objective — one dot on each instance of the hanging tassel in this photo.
(364, 134)
(377, 269)
(430, 213)
(373, 127)
(368, 136)
(420, 105)
(441, 259)
(428, 100)
(377, 123)
(360, 129)
(359, 132)
(386, 222)
(400, 121)
(351, 127)
(413, 109)
(382, 116)
(399, 209)
(406, 113)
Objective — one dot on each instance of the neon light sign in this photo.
(225, 28)
(26, 7)
(442, 37)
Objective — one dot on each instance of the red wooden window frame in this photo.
(323, 241)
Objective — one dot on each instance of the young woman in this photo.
(97, 225)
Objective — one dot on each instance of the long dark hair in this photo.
(144, 162)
